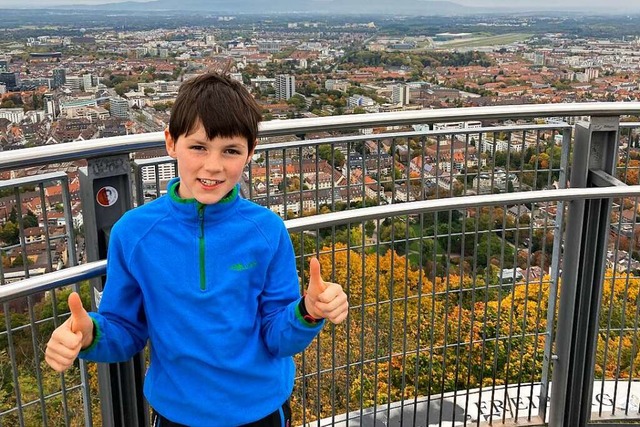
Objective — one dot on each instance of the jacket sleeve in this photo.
(284, 330)
(120, 323)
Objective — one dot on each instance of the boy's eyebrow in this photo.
(235, 144)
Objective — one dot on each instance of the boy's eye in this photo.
(197, 147)
(232, 151)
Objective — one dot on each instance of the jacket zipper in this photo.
(201, 247)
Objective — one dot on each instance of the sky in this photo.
(523, 4)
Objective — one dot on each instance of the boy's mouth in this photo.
(209, 182)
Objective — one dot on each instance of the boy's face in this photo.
(208, 168)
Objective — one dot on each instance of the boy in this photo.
(208, 277)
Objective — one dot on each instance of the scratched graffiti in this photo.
(610, 399)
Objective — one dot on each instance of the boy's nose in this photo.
(213, 163)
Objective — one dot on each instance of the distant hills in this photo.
(391, 7)
(341, 7)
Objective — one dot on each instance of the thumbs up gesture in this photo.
(325, 299)
(69, 338)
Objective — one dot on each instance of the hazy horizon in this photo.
(524, 5)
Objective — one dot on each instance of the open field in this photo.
(483, 41)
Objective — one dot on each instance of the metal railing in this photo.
(450, 244)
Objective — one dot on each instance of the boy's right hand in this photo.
(69, 338)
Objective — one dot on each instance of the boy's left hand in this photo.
(325, 299)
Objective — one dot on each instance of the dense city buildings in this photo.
(82, 82)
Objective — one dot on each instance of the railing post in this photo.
(106, 195)
(547, 361)
(594, 163)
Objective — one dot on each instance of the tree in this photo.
(10, 233)
(13, 216)
(30, 220)
(332, 156)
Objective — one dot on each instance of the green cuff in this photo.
(304, 317)
(96, 336)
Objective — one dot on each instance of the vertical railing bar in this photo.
(63, 387)
(498, 321)
(498, 338)
(404, 325)
(448, 282)
(433, 311)
(567, 136)
(626, 293)
(393, 170)
(319, 347)
(303, 368)
(14, 364)
(23, 240)
(302, 193)
(418, 323)
(348, 183)
(423, 189)
(609, 309)
(524, 320)
(523, 149)
(557, 235)
(137, 171)
(267, 173)
(634, 345)
(408, 170)
(348, 322)
(156, 173)
(363, 304)
(365, 173)
(461, 295)
(473, 314)
(73, 260)
(480, 166)
(45, 225)
(250, 179)
(463, 237)
(333, 329)
(68, 218)
(445, 339)
(376, 345)
(437, 168)
(36, 360)
(493, 161)
(391, 298)
(485, 320)
(285, 183)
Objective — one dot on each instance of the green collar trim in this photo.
(173, 192)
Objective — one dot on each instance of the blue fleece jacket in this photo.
(215, 290)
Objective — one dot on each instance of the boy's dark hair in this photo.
(223, 105)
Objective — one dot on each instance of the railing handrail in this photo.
(90, 270)
(125, 144)
(454, 203)
(55, 279)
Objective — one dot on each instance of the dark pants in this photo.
(279, 418)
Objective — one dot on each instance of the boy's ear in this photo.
(249, 156)
(170, 144)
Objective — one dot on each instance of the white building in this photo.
(87, 82)
(400, 94)
(165, 172)
(285, 86)
(491, 145)
(15, 115)
(119, 107)
(73, 82)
